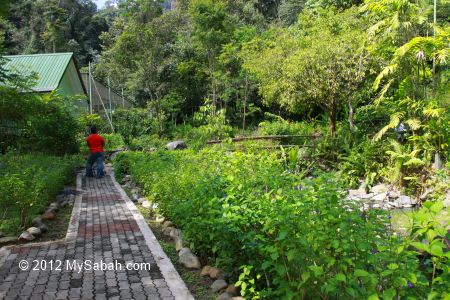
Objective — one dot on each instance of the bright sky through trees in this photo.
(100, 3)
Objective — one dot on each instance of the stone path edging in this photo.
(105, 226)
(72, 228)
(173, 279)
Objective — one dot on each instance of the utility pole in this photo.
(90, 89)
(109, 97)
(123, 100)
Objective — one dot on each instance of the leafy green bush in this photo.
(132, 123)
(27, 184)
(197, 137)
(37, 123)
(113, 141)
(282, 127)
(292, 238)
(365, 161)
(146, 142)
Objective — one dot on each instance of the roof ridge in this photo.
(40, 54)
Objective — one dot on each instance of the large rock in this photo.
(36, 221)
(357, 192)
(8, 240)
(224, 296)
(50, 209)
(176, 145)
(219, 285)
(366, 196)
(146, 204)
(54, 206)
(34, 231)
(26, 237)
(394, 194)
(43, 228)
(126, 179)
(48, 215)
(214, 273)
(175, 233)
(188, 259)
(405, 201)
(167, 230)
(232, 290)
(167, 224)
(178, 243)
(380, 197)
(379, 188)
(1, 234)
(205, 271)
(160, 219)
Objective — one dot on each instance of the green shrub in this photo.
(113, 141)
(146, 142)
(365, 161)
(281, 127)
(27, 184)
(292, 238)
(132, 123)
(31, 122)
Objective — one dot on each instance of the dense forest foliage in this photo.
(299, 59)
(365, 83)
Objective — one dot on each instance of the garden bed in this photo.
(279, 234)
(198, 285)
(28, 183)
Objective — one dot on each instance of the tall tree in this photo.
(211, 30)
(319, 64)
(54, 26)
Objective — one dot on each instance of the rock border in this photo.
(38, 227)
(188, 259)
(175, 283)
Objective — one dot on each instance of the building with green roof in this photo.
(55, 72)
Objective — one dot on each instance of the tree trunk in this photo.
(332, 119)
(350, 115)
(213, 80)
(214, 95)
(245, 104)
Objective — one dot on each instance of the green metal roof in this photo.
(49, 67)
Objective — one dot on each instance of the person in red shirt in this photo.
(95, 143)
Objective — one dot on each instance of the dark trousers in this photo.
(95, 158)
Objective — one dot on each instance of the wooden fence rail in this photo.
(264, 137)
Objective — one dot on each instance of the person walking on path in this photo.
(95, 143)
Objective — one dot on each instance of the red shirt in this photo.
(95, 143)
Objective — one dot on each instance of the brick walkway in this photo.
(105, 228)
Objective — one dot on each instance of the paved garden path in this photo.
(107, 228)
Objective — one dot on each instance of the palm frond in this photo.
(395, 120)
(414, 124)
